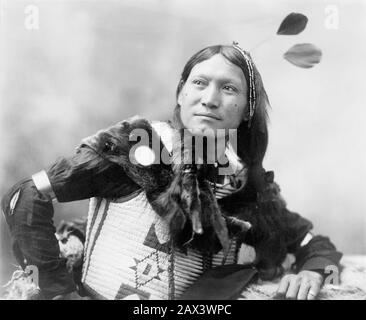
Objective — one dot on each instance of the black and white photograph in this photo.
(182, 150)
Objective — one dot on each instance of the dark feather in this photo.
(293, 24)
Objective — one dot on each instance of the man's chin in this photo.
(206, 129)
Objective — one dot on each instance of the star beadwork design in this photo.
(148, 268)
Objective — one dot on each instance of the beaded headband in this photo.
(252, 93)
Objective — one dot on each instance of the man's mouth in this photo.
(208, 115)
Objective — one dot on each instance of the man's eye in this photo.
(230, 88)
(198, 82)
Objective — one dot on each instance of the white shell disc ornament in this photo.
(144, 155)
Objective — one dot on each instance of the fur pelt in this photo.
(181, 194)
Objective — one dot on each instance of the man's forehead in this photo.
(218, 68)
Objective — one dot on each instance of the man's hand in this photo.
(302, 286)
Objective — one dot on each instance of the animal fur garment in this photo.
(180, 192)
(183, 197)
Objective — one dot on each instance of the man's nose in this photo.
(211, 97)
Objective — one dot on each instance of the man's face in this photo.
(214, 95)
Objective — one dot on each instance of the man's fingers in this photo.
(282, 289)
(305, 285)
(293, 288)
(304, 290)
(313, 291)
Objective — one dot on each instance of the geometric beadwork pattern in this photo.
(147, 269)
(129, 252)
(152, 241)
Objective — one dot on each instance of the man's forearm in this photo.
(29, 214)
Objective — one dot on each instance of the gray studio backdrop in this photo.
(70, 68)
